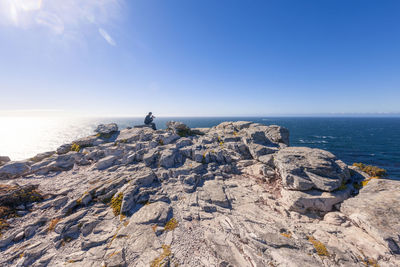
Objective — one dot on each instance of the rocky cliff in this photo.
(232, 195)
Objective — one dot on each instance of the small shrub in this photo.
(343, 186)
(116, 202)
(373, 171)
(75, 147)
(171, 225)
(319, 246)
(183, 132)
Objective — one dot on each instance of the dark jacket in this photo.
(148, 119)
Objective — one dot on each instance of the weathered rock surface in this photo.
(106, 128)
(376, 209)
(303, 168)
(13, 169)
(231, 195)
(4, 159)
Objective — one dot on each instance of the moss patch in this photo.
(75, 147)
(373, 171)
(116, 202)
(319, 246)
(171, 225)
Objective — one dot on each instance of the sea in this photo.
(374, 140)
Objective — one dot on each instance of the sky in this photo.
(199, 57)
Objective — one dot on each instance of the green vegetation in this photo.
(372, 171)
(171, 225)
(184, 132)
(343, 186)
(75, 147)
(319, 246)
(116, 202)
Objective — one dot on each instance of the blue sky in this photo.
(201, 58)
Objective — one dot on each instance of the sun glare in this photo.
(28, 5)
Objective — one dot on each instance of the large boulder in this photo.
(303, 168)
(376, 209)
(106, 129)
(277, 134)
(13, 169)
(178, 128)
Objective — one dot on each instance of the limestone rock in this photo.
(213, 193)
(313, 200)
(229, 197)
(303, 168)
(157, 212)
(105, 163)
(170, 158)
(4, 159)
(105, 129)
(376, 210)
(178, 128)
(13, 169)
(41, 156)
(277, 134)
(63, 149)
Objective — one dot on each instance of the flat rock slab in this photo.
(213, 193)
(303, 168)
(13, 169)
(376, 209)
(157, 212)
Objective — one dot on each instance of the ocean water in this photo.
(373, 141)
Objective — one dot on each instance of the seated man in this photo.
(149, 120)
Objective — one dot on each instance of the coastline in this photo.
(237, 193)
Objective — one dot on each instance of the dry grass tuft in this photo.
(171, 225)
(53, 224)
(116, 202)
(319, 246)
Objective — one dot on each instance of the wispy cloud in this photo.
(107, 37)
(61, 17)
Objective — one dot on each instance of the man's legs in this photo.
(153, 125)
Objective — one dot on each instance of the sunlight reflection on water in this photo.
(24, 137)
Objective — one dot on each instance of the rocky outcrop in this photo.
(13, 169)
(375, 209)
(230, 195)
(106, 129)
(303, 168)
(4, 159)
